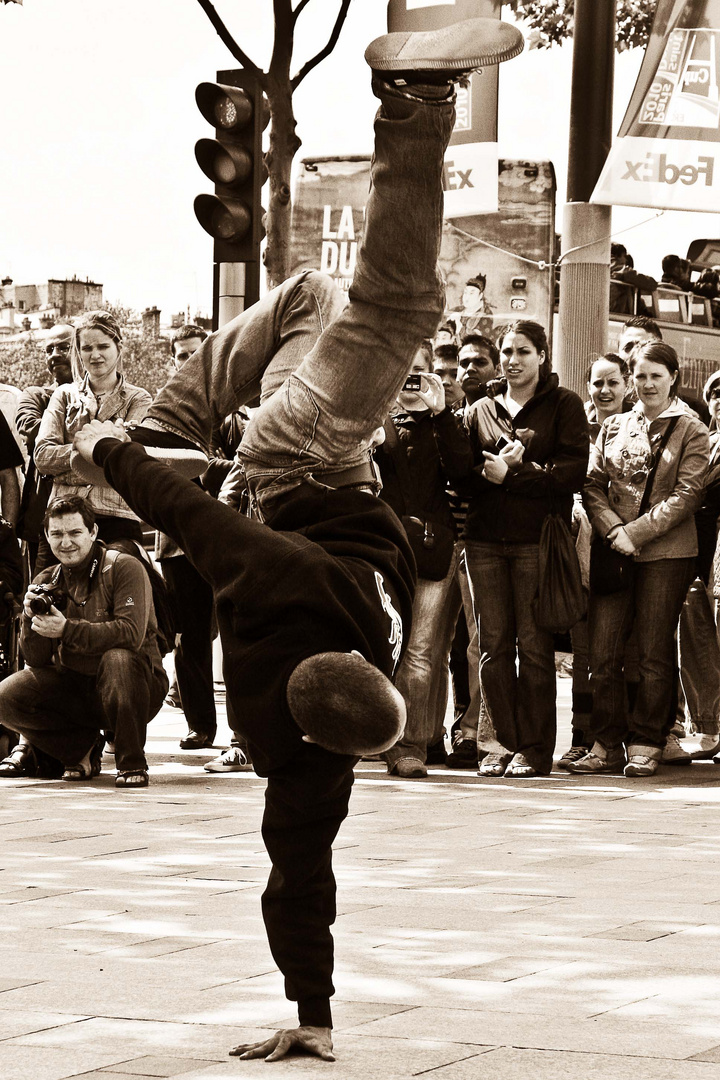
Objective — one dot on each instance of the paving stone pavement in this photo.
(565, 927)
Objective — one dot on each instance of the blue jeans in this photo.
(334, 371)
(700, 658)
(420, 669)
(652, 605)
(517, 658)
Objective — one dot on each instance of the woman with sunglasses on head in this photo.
(645, 482)
(530, 447)
(98, 392)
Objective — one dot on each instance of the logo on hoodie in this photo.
(395, 638)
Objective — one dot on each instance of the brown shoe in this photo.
(446, 55)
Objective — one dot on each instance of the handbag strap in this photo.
(658, 454)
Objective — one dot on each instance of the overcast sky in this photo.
(99, 122)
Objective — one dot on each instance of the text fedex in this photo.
(658, 170)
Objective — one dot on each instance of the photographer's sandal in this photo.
(89, 767)
(132, 778)
(520, 768)
(19, 762)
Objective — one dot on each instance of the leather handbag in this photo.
(611, 571)
(560, 602)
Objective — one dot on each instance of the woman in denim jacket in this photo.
(663, 543)
(98, 392)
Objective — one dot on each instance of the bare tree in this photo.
(279, 85)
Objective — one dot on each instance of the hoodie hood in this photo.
(497, 387)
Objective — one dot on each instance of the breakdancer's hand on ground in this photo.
(308, 1040)
(87, 438)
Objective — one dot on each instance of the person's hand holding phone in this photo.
(512, 454)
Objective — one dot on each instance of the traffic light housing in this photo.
(233, 160)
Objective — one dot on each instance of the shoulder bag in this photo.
(611, 571)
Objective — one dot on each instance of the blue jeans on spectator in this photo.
(323, 413)
(700, 658)
(652, 604)
(517, 658)
(420, 668)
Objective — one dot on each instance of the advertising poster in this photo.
(498, 252)
(667, 154)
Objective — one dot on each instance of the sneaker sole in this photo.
(677, 761)
(611, 770)
(464, 46)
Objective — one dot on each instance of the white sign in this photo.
(671, 174)
(470, 179)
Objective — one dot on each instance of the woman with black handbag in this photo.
(645, 482)
(530, 444)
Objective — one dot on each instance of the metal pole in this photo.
(585, 268)
(236, 286)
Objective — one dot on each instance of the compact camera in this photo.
(413, 382)
(44, 597)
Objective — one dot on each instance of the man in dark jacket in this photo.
(93, 658)
(425, 448)
(311, 610)
(31, 406)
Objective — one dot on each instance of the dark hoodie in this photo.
(553, 428)
(334, 573)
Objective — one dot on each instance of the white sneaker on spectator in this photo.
(674, 753)
(231, 760)
(704, 747)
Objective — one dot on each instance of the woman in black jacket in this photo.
(530, 446)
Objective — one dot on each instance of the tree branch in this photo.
(332, 42)
(227, 38)
(299, 9)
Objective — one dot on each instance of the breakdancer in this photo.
(314, 594)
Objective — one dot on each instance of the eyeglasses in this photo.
(63, 347)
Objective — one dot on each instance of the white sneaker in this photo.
(674, 753)
(706, 747)
(231, 760)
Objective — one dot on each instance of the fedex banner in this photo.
(667, 154)
(471, 162)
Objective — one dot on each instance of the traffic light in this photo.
(233, 160)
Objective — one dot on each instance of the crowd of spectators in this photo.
(632, 292)
(482, 444)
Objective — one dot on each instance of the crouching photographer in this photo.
(89, 637)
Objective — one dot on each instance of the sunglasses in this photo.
(63, 347)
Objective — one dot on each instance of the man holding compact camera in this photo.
(89, 636)
(425, 448)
